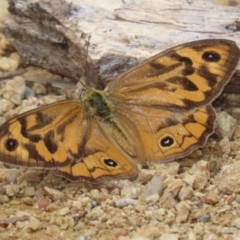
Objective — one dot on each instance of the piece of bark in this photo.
(54, 33)
(34, 33)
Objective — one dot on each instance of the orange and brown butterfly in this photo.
(157, 111)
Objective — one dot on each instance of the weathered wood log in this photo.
(54, 34)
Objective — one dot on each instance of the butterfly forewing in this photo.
(48, 137)
(183, 77)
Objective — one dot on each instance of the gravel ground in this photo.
(195, 198)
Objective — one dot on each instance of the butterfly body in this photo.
(96, 104)
(159, 111)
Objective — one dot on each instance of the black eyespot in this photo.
(166, 141)
(110, 162)
(11, 144)
(211, 56)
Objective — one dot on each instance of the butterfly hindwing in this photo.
(175, 135)
(101, 160)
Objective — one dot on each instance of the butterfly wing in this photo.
(167, 97)
(169, 135)
(102, 159)
(49, 137)
(62, 138)
(181, 78)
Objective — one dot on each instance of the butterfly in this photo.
(159, 110)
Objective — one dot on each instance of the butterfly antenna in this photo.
(81, 85)
(86, 62)
(83, 79)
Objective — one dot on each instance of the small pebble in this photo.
(201, 173)
(169, 236)
(183, 209)
(8, 64)
(2, 120)
(151, 232)
(155, 186)
(152, 198)
(225, 125)
(123, 202)
(205, 218)
(34, 225)
(5, 106)
(146, 175)
(28, 92)
(228, 180)
(130, 192)
(53, 193)
(225, 145)
(64, 211)
(82, 238)
(29, 201)
(12, 190)
(29, 191)
(211, 198)
(94, 203)
(4, 199)
(50, 99)
(39, 89)
(14, 90)
(9, 174)
(173, 185)
(236, 223)
(185, 193)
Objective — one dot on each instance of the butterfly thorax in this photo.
(96, 103)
